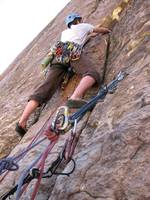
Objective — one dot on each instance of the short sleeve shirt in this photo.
(77, 33)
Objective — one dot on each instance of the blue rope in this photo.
(10, 163)
(29, 148)
(6, 164)
(25, 173)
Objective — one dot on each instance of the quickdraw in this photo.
(61, 124)
(110, 88)
(34, 173)
(63, 121)
(71, 142)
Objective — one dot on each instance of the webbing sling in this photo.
(101, 95)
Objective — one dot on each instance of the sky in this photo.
(20, 23)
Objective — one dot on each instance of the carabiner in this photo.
(74, 127)
(61, 120)
(66, 118)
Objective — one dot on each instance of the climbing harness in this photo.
(62, 53)
(61, 123)
(65, 51)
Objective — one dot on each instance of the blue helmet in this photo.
(71, 17)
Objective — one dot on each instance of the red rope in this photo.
(40, 132)
(42, 164)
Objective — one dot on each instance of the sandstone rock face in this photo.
(112, 154)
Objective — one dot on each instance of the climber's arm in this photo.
(100, 29)
(97, 30)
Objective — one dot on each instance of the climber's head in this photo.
(73, 18)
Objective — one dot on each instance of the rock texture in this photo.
(112, 155)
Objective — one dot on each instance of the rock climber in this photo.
(74, 37)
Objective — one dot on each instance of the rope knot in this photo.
(8, 164)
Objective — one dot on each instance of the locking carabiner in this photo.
(61, 120)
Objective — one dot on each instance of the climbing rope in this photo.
(15, 159)
(59, 126)
(42, 164)
(25, 173)
(11, 163)
(38, 172)
(8, 164)
(34, 173)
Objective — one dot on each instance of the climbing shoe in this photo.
(21, 131)
(71, 103)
